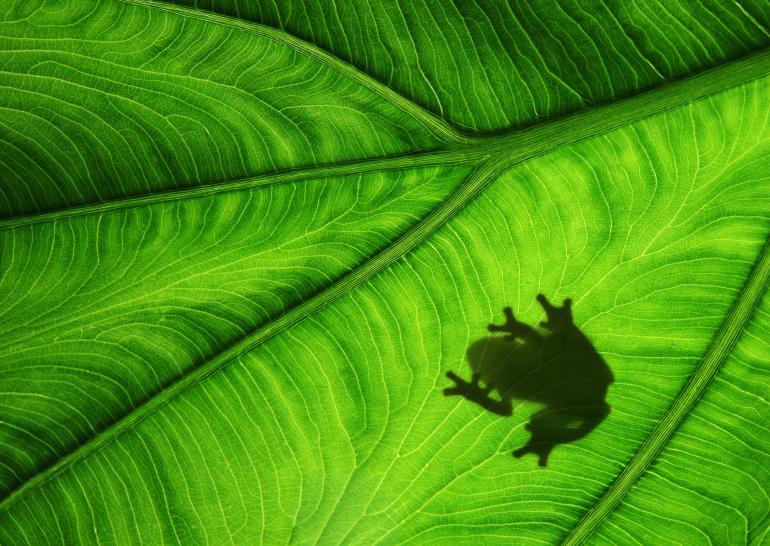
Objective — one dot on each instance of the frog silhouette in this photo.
(558, 367)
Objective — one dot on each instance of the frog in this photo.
(555, 365)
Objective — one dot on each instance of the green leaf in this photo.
(242, 244)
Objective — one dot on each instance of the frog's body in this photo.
(560, 369)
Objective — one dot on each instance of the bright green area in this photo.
(235, 270)
(160, 289)
(96, 106)
(714, 473)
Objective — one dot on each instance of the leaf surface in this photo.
(236, 269)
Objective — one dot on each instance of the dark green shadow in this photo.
(559, 367)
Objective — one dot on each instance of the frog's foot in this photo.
(471, 390)
(542, 450)
(508, 326)
(474, 392)
(513, 327)
(557, 317)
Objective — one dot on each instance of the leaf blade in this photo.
(749, 299)
(331, 510)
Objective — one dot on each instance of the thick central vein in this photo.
(518, 145)
(494, 155)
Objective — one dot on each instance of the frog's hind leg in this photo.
(553, 426)
(541, 450)
(543, 425)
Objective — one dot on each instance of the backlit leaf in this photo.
(243, 243)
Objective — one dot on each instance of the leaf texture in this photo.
(523, 61)
(243, 243)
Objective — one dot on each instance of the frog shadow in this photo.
(558, 367)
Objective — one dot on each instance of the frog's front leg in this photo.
(558, 318)
(514, 328)
(474, 392)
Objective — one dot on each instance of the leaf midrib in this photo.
(494, 154)
(521, 144)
